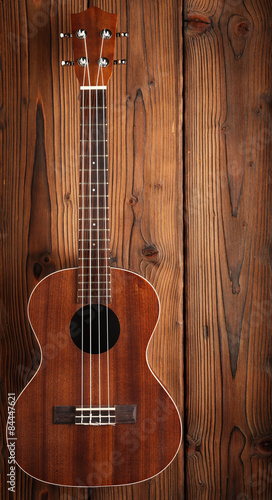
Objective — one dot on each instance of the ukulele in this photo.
(94, 414)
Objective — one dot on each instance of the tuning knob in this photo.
(67, 63)
(120, 61)
(122, 34)
(66, 35)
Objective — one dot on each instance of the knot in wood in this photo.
(43, 266)
(197, 23)
(37, 270)
(264, 445)
(67, 198)
(46, 259)
(151, 253)
(258, 110)
(239, 29)
(225, 129)
(192, 446)
(242, 29)
(132, 200)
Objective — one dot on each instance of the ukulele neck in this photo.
(94, 278)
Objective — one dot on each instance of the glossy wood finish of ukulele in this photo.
(94, 414)
(95, 455)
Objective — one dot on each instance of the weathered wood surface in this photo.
(39, 125)
(228, 248)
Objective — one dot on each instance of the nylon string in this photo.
(82, 251)
(90, 222)
(98, 238)
(106, 251)
(98, 241)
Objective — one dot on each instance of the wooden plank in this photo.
(39, 130)
(228, 242)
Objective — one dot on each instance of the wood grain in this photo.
(228, 242)
(94, 20)
(39, 133)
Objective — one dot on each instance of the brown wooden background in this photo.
(191, 118)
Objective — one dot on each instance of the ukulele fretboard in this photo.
(94, 279)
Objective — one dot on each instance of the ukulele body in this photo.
(95, 455)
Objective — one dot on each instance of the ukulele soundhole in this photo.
(101, 329)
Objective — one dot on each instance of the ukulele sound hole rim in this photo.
(107, 318)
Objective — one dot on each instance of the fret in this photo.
(103, 263)
(94, 297)
(90, 288)
(101, 293)
(93, 156)
(94, 140)
(90, 185)
(95, 225)
(87, 207)
(100, 274)
(103, 278)
(100, 220)
(89, 274)
(98, 224)
(96, 218)
(93, 283)
(95, 289)
(87, 255)
(93, 196)
(105, 272)
(94, 248)
(92, 258)
(93, 124)
(88, 250)
(93, 193)
(96, 257)
(93, 107)
(98, 183)
(96, 170)
(102, 285)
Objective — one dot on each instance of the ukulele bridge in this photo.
(95, 415)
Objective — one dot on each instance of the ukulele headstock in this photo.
(93, 35)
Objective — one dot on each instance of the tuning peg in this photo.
(66, 35)
(119, 61)
(67, 63)
(122, 34)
